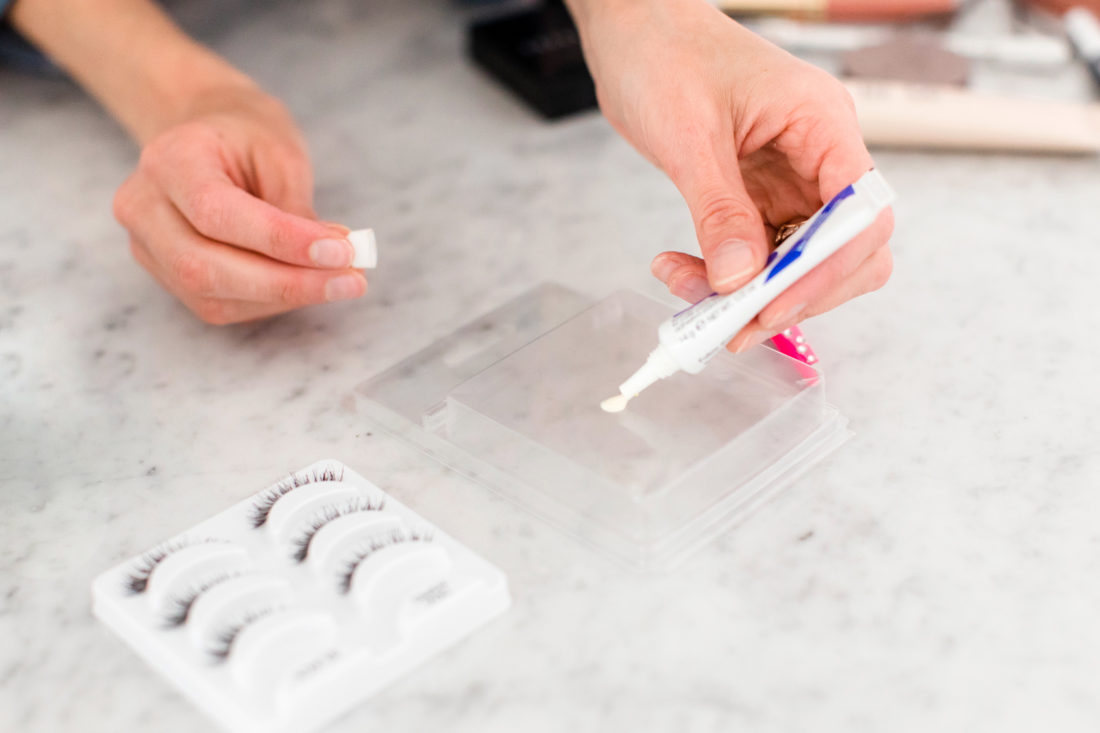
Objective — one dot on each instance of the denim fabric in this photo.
(16, 53)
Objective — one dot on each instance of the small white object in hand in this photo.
(366, 249)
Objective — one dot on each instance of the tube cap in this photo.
(366, 249)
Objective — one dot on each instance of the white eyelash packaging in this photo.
(290, 607)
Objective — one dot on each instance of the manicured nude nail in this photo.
(339, 227)
(692, 289)
(344, 287)
(785, 320)
(662, 267)
(732, 263)
(331, 253)
(754, 339)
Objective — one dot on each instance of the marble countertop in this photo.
(939, 572)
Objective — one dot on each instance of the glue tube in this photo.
(692, 337)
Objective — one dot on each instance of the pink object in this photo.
(792, 343)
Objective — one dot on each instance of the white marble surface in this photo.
(939, 573)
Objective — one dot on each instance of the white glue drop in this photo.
(615, 404)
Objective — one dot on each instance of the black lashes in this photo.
(223, 642)
(181, 606)
(262, 508)
(369, 548)
(138, 578)
(301, 542)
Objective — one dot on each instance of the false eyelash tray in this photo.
(511, 400)
(290, 607)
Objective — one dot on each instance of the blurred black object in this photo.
(536, 54)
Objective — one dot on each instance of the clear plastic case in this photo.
(512, 401)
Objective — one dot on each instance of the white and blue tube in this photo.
(691, 338)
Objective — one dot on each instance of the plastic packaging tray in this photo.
(512, 401)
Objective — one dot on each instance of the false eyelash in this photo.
(369, 548)
(181, 606)
(302, 541)
(257, 517)
(137, 580)
(223, 640)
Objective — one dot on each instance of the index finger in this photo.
(220, 210)
(846, 160)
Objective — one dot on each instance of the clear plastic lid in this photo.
(512, 400)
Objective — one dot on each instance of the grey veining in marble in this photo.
(939, 573)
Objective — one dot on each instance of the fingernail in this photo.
(692, 289)
(331, 253)
(662, 267)
(339, 227)
(784, 320)
(344, 287)
(732, 263)
(754, 339)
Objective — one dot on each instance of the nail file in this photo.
(285, 610)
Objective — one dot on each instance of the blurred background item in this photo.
(983, 75)
(841, 9)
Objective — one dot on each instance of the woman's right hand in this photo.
(220, 212)
(754, 139)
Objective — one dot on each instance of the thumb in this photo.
(727, 221)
